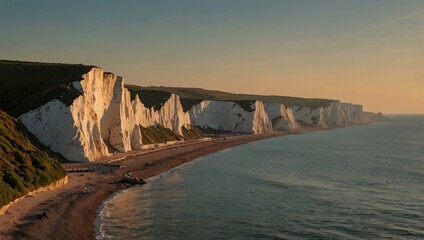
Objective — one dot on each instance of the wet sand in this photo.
(71, 214)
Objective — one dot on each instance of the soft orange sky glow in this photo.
(369, 52)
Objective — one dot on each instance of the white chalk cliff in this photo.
(231, 117)
(104, 119)
(282, 118)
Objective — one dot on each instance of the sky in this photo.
(369, 52)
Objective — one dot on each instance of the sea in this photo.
(362, 182)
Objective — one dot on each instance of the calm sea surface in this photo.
(351, 183)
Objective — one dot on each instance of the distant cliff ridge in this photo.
(95, 115)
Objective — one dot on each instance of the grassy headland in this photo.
(25, 86)
(23, 167)
(193, 96)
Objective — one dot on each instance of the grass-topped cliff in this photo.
(23, 167)
(192, 96)
(28, 85)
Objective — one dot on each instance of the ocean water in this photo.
(363, 182)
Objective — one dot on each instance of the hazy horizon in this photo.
(359, 51)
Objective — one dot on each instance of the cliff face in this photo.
(307, 117)
(231, 117)
(102, 120)
(282, 118)
(343, 114)
(335, 115)
(105, 117)
(170, 115)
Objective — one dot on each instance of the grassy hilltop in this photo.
(28, 85)
(193, 96)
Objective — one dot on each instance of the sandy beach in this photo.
(71, 214)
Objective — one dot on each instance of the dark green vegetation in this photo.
(211, 131)
(192, 133)
(245, 104)
(192, 96)
(23, 167)
(25, 86)
(150, 99)
(160, 134)
(28, 85)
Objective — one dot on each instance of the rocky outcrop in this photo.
(54, 126)
(335, 115)
(282, 118)
(102, 120)
(231, 116)
(310, 117)
(343, 114)
(105, 118)
(170, 115)
(369, 117)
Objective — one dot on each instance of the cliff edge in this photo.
(84, 113)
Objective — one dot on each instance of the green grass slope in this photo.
(28, 85)
(160, 134)
(23, 167)
(192, 96)
(192, 133)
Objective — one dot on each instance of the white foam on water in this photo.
(103, 211)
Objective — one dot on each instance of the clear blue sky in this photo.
(362, 51)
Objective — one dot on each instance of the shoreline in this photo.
(98, 233)
(72, 214)
(50, 187)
